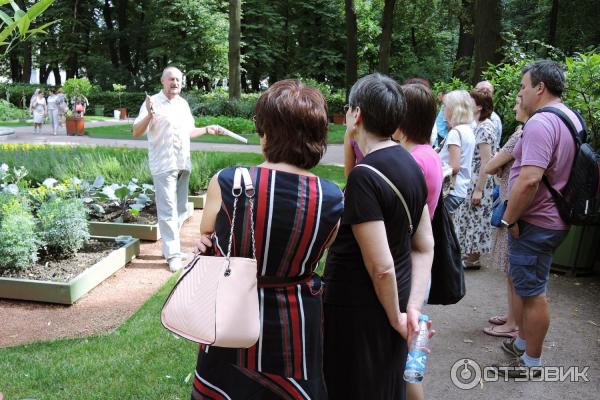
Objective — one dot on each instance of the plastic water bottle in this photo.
(417, 356)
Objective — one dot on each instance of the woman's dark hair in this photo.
(293, 116)
(484, 100)
(413, 81)
(420, 113)
(381, 103)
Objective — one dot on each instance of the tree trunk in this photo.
(124, 52)
(466, 42)
(553, 23)
(487, 18)
(27, 64)
(15, 67)
(110, 34)
(57, 77)
(351, 45)
(235, 13)
(385, 44)
(44, 73)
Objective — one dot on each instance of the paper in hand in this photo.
(234, 135)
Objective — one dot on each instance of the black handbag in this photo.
(447, 272)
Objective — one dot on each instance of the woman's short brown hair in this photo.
(483, 99)
(294, 118)
(420, 113)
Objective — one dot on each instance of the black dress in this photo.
(364, 356)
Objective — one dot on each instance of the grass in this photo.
(123, 131)
(29, 122)
(139, 360)
(16, 123)
(119, 165)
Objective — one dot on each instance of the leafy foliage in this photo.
(19, 241)
(9, 112)
(18, 28)
(63, 226)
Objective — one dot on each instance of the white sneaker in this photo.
(175, 264)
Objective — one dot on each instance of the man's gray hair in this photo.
(169, 69)
(549, 72)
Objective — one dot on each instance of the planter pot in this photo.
(578, 253)
(198, 200)
(122, 113)
(140, 231)
(339, 119)
(75, 126)
(99, 110)
(70, 292)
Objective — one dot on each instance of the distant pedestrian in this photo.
(53, 106)
(62, 106)
(486, 86)
(39, 109)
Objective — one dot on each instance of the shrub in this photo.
(19, 242)
(9, 112)
(63, 226)
(235, 124)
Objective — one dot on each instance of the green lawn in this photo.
(123, 131)
(29, 122)
(140, 359)
(15, 123)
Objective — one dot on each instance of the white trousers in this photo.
(53, 119)
(171, 195)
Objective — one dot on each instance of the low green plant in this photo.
(10, 112)
(19, 240)
(234, 124)
(63, 226)
(77, 90)
(119, 89)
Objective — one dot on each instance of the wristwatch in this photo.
(506, 224)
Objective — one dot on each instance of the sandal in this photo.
(472, 264)
(491, 330)
(498, 320)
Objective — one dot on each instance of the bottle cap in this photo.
(423, 317)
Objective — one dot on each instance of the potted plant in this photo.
(76, 90)
(119, 89)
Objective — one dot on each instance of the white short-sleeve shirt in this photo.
(168, 133)
(466, 141)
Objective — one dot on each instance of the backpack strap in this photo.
(395, 189)
(574, 134)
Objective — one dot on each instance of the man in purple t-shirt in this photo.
(536, 229)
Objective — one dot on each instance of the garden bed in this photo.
(65, 281)
(198, 199)
(143, 231)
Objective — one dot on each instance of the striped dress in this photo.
(295, 218)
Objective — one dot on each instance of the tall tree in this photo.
(235, 12)
(351, 45)
(552, 23)
(487, 19)
(385, 44)
(466, 41)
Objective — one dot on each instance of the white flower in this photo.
(12, 189)
(49, 182)
(4, 168)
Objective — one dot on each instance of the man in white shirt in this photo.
(168, 121)
(486, 86)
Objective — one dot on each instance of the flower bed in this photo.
(67, 280)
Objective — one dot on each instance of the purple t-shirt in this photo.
(546, 143)
(431, 165)
(357, 153)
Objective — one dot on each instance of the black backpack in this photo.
(578, 202)
(447, 273)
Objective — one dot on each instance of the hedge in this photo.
(214, 103)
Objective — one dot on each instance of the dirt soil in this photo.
(101, 310)
(146, 216)
(63, 270)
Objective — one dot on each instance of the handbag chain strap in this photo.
(248, 190)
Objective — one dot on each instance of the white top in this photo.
(466, 141)
(168, 134)
(498, 124)
(53, 101)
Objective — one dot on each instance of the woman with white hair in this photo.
(457, 150)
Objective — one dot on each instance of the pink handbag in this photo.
(215, 300)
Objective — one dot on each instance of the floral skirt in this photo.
(472, 223)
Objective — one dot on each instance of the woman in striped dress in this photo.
(296, 218)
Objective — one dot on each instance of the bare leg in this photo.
(536, 319)
(511, 322)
